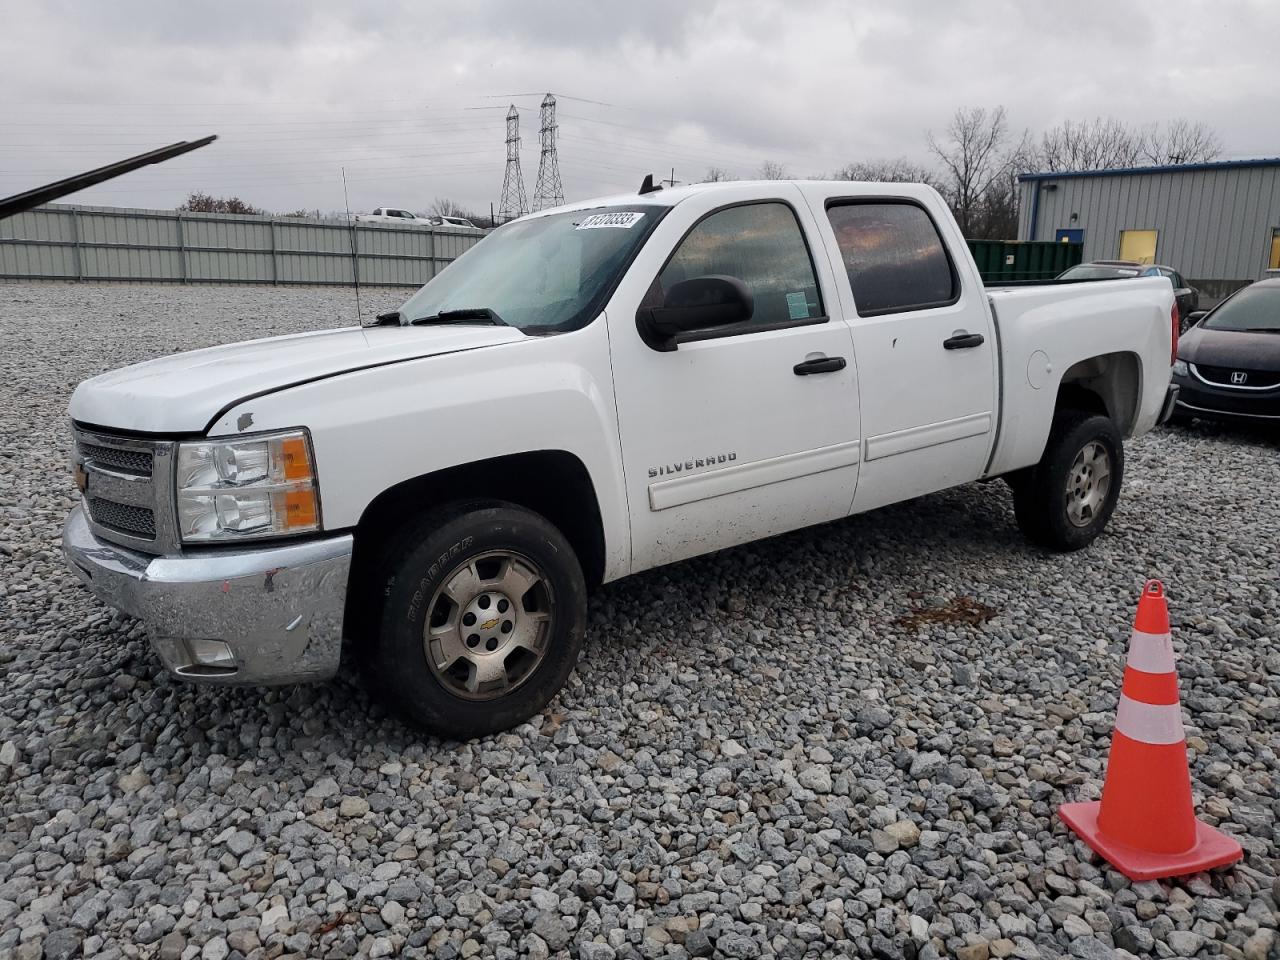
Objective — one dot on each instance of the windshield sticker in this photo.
(625, 220)
(797, 306)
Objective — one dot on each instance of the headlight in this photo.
(1180, 368)
(245, 488)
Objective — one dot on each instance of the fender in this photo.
(375, 428)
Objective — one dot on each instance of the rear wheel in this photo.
(1065, 500)
(481, 621)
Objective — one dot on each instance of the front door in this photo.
(753, 430)
(921, 332)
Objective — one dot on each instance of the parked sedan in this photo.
(1228, 365)
(462, 222)
(1188, 297)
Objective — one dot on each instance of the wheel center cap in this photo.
(487, 622)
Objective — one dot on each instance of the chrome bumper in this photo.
(270, 614)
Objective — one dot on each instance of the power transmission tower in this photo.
(549, 192)
(514, 202)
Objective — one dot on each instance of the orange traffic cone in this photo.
(1145, 826)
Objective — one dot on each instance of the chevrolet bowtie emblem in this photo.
(489, 624)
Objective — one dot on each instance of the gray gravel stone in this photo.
(63, 944)
(1185, 943)
(760, 752)
(172, 946)
(1135, 939)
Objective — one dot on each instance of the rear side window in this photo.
(895, 259)
(760, 244)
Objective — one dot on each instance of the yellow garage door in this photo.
(1138, 245)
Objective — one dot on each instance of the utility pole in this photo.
(548, 192)
(514, 203)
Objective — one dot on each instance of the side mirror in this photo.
(690, 306)
(1195, 316)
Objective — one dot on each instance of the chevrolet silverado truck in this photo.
(589, 392)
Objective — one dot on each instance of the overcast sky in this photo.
(410, 97)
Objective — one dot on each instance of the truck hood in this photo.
(182, 393)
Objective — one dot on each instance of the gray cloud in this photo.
(406, 95)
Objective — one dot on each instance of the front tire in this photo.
(481, 620)
(1064, 502)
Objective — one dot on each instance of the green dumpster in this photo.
(1005, 261)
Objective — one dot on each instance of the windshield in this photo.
(1096, 271)
(1253, 308)
(544, 274)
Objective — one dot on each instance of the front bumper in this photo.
(269, 614)
(1198, 398)
(1170, 402)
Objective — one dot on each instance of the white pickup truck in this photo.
(394, 215)
(589, 392)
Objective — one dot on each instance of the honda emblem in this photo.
(1239, 378)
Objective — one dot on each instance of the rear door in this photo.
(923, 342)
(750, 430)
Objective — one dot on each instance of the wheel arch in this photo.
(1109, 384)
(553, 483)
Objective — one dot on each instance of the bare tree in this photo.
(976, 154)
(444, 207)
(1180, 141)
(717, 175)
(1100, 144)
(772, 170)
(200, 202)
(1096, 144)
(896, 170)
(998, 214)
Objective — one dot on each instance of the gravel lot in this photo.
(846, 741)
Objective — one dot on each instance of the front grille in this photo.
(1254, 378)
(124, 518)
(137, 462)
(128, 489)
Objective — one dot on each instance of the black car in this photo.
(1228, 365)
(1188, 297)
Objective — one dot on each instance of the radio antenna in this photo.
(355, 255)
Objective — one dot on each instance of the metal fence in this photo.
(71, 242)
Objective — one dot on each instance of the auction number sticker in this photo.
(626, 220)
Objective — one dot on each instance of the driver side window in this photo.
(760, 244)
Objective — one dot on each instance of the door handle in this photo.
(818, 365)
(963, 341)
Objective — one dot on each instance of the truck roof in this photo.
(670, 196)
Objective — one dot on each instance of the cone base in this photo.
(1212, 847)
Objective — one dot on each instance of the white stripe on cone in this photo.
(1152, 723)
(1151, 652)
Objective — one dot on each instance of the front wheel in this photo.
(1065, 500)
(482, 618)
